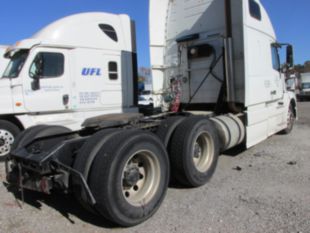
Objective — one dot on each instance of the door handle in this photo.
(273, 92)
(65, 100)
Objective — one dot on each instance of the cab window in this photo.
(275, 58)
(113, 70)
(109, 31)
(47, 65)
(255, 10)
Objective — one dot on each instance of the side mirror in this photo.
(290, 56)
(35, 84)
(37, 73)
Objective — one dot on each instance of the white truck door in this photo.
(51, 92)
(277, 82)
(276, 107)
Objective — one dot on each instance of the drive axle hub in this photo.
(131, 176)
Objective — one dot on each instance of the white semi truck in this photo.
(305, 87)
(67, 73)
(217, 84)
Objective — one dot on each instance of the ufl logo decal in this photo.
(91, 72)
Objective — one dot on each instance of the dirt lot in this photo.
(264, 189)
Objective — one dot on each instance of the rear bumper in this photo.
(31, 174)
(23, 177)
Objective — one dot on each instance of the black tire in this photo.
(167, 127)
(21, 137)
(38, 131)
(194, 141)
(108, 180)
(290, 121)
(8, 134)
(84, 161)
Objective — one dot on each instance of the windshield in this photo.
(16, 64)
(305, 86)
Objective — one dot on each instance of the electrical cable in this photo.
(217, 77)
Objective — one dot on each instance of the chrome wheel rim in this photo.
(141, 178)
(6, 141)
(203, 152)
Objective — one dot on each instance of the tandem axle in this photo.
(131, 149)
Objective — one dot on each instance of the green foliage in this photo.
(305, 68)
(141, 79)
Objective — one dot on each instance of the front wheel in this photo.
(290, 121)
(8, 133)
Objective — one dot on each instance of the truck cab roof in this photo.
(88, 30)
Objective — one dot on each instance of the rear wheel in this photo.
(38, 131)
(194, 151)
(21, 137)
(167, 127)
(84, 161)
(129, 178)
(8, 134)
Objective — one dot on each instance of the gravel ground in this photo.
(264, 189)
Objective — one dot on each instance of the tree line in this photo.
(305, 68)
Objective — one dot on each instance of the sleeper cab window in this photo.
(47, 65)
(255, 10)
(109, 31)
(113, 70)
(275, 58)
